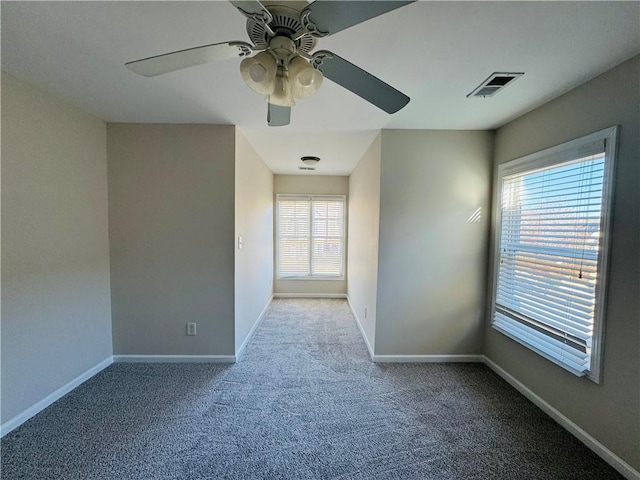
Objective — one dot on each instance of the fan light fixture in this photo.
(305, 80)
(280, 73)
(259, 72)
(310, 161)
(280, 62)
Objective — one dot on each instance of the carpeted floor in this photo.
(304, 402)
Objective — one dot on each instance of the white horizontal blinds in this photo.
(328, 237)
(549, 246)
(310, 237)
(294, 235)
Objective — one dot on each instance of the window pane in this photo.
(310, 237)
(549, 260)
(328, 231)
(327, 257)
(294, 257)
(293, 237)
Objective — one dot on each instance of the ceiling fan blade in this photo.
(252, 8)
(360, 82)
(190, 57)
(278, 116)
(332, 16)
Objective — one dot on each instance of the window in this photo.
(551, 249)
(311, 236)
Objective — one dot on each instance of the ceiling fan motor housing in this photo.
(282, 47)
(286, 22)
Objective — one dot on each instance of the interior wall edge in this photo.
(255, 326)
(361, 328)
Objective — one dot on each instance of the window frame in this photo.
(546, 158)
(343, 237)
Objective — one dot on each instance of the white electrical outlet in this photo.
(365, 312)
(191, 328)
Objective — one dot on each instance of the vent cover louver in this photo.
(492, 85)
(306, 168)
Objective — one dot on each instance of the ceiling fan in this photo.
(283, 67)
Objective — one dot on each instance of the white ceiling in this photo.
(435, 52)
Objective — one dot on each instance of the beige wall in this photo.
(364, 218)
(609, 412)
(314, 185)
(432, 264)
(254, 223)
(56, 313)
(171, 221)
(311, 184)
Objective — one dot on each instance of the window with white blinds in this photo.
(551, 251)
(311, 236)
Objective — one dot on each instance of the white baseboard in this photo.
(33, 410)
(428, 358)
(364, 335)
(240, 351)
(310, 295)
(603, 452)
(174, 358)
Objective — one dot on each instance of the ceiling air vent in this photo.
(306, 168)
(492, 85)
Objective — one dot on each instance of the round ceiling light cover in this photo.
(310, 161)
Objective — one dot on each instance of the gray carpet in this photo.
(304, 402)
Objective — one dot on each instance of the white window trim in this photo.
(541, 159)
(344, 237)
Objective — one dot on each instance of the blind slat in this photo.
(544, 345)
(574, 325)
(559, 300)
(550, 345)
